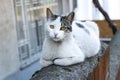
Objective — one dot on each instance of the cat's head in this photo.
(58, 27)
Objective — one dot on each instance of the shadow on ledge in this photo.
(81, 71)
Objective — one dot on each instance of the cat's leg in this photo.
(45, 63)
(69, 60)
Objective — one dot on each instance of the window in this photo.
(30, 20)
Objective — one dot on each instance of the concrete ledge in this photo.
(81, 71)
(115, 56)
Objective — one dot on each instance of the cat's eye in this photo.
(62, 28)
(52, 26)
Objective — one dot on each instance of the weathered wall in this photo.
(9, 60)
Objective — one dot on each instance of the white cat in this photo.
(67, 41)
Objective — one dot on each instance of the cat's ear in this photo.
(49, 13)
(70, 17)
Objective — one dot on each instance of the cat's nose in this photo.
(55, 34)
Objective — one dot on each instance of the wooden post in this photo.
(101, 72)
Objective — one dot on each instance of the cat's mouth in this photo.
(56, 39)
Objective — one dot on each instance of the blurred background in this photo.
(22, 30)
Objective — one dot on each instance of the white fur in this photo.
(67, 50)
(88, 43)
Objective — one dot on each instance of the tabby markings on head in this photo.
(66, 23)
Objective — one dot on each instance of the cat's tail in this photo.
(92, 25)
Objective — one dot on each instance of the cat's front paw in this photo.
(59, 62)
(45, 63)
(68, 61)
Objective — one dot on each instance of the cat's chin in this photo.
(56, 40)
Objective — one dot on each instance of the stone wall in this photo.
(9, 59)
(81, 71)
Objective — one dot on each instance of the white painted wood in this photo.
(71, 5)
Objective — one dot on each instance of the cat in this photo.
(68, 41)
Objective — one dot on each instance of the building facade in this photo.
(22, 32)
(9, 57)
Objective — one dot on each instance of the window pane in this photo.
(35, 20)
(24, 52)
(20, 29)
